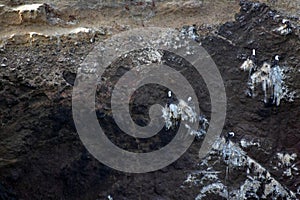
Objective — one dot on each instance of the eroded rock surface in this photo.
(42, 157)
(28, 14)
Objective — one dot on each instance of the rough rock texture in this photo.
(28, 14)
(41, 156)
(72, 35)
(275, 127)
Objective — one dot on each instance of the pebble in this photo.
(3, 65)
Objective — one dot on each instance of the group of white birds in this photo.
(184, 112)
(173, 113)
(269, 75)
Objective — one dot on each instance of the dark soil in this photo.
(42, 157)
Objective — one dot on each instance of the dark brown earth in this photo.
(42, 157)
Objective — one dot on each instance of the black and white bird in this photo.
(169, 94)
(191, 32)
(285, 29)
(250, 64)
(228, 136)
(169, 100)
(276, 61)
(254, 62)
(276, 79)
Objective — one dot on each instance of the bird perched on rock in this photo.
(169, 101)
(276, 79)
(228, 136)
(191, 32)
(285, 29)
(250, 63)
(276, 61)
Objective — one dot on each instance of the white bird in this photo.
(250, 63)
(228, 136)
(251, 66)
(231, 134)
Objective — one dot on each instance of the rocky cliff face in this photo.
(42, 157)
(31, 13)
